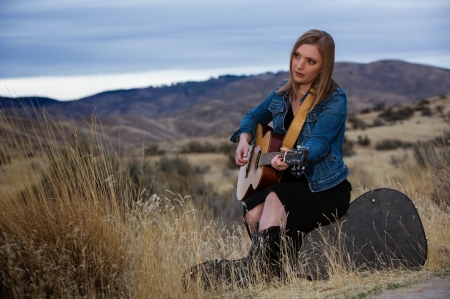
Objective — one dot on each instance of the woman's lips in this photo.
(299, 74)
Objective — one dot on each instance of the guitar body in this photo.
(381, 230)
(253, 178)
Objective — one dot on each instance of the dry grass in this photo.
(72, 226)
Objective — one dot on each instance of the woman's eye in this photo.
(311, 61)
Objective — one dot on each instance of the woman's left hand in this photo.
(277, 161)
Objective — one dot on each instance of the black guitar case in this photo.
(381, 230)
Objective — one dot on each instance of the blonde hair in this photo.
(324, 83)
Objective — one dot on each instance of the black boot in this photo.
(263, 258)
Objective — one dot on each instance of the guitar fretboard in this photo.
(265, 159)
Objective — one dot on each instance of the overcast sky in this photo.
(67, 49)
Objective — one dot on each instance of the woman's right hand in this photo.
(242, 150)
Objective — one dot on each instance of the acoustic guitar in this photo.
(258, 174)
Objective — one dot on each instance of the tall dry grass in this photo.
(73, 224)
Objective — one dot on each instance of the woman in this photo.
(321, 194)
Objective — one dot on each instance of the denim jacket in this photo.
(322, 133)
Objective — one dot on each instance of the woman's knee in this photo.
(254, 215)
(272, 200)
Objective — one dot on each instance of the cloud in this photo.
(75, 87)
(89, 37)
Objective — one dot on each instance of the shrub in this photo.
(442, 140)
(378, 107)
(422, 105)
(399, 114)
(436, 158)
(440, 109)
(229, 150)
(363, 141)
(378, 122)
(5, 158)
(426, 112)
(356, 123)
(197, 147)
(153, 149)
(347, 149)
(391, 144)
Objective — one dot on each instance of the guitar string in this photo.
(266, 158)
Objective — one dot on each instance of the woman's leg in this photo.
(273, 213)
(253, 216)
(269, 213)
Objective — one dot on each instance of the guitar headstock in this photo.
(295, 156)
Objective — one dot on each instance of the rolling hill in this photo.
(216, 106)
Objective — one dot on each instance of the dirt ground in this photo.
(433, 288)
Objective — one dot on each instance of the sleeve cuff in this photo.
(235, 137)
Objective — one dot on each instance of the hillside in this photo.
(215, 107)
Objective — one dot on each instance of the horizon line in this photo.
(74, 87)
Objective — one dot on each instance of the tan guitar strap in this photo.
(299, 119)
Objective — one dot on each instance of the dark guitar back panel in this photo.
(381, 230)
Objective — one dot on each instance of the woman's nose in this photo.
(300, 63)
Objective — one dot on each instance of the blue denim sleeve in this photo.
(258, 115)
(327, 128)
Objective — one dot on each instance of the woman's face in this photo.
(306, 64)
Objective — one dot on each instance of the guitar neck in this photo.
(266, 158)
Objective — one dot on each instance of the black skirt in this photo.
(305, 210)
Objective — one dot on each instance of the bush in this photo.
(391, 144)
(153, 149)
(229, 150)
(424, 107)
(5, 158)
(378, 123)
(440, 109)
(347, 149)
(442, 140)
(197, 147)
(378, 107)
(356, 123)
(226, 148)
(363, 141)
(426, 112)
(174, 174)
(399, 114)
(436, 158)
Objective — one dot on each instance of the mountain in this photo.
(18, 103)
(216, 106)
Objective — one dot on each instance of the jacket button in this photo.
(314, 187)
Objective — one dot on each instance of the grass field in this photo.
(76, 222)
